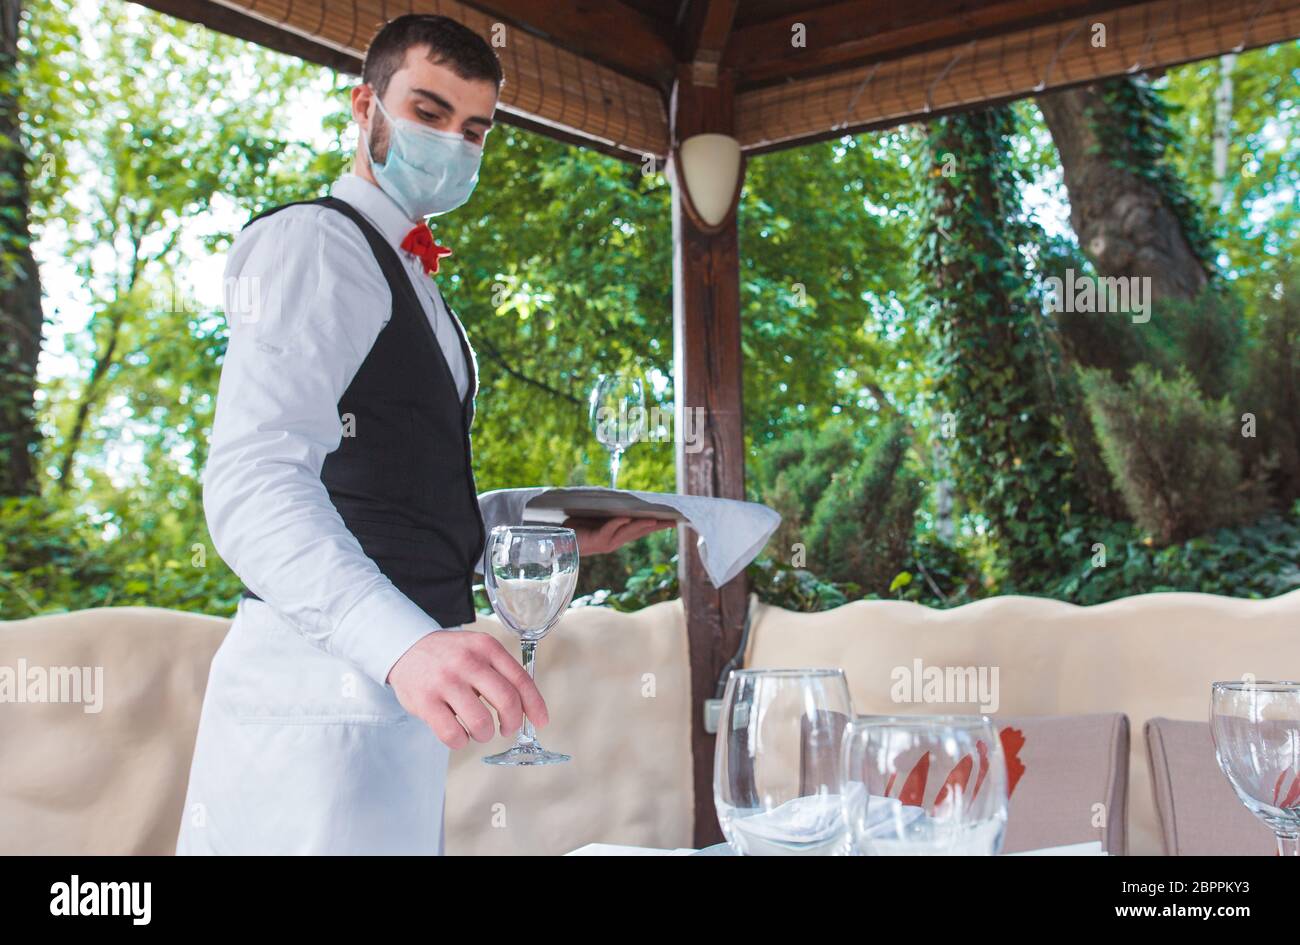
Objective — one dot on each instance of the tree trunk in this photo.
(88, 397)
(1222, 127)
(1127, 223)
(20, 287)
(989, 372)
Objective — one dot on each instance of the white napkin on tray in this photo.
(731, 532)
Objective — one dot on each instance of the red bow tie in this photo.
(420, 244)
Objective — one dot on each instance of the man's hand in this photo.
(598, 536)
(441, 678)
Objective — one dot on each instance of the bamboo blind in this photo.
(544, 82)
(1142, 37)
(553, 86)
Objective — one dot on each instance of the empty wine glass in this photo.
(776, 765)
(618, 418)
(1256, 729)
(924, 786)
(530, 574)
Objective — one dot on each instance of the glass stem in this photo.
(527, 737)
(1288, 846)
(614, 457)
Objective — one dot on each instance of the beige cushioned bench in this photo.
(114, 781)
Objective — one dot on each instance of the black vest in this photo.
(403, 483)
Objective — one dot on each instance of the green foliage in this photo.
(939, 574)
(848, 499)
(143, 131)
(49, 560)
(1256, 561)
(53, 559)
(991, 373)
(1170, 449)
(792, 474)
(1271, 393)
(797, 589)
(863, 524)
(1257, 224)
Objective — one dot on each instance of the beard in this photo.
(378, 139)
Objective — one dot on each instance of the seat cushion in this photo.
(1199, 812)
(1074, 788)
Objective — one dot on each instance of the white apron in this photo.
(299, 752)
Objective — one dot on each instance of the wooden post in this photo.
(707, 382)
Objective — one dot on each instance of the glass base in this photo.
(529, 755)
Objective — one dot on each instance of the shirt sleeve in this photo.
(305, 302)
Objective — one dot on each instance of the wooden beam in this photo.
(707, 377)
(605, 31)
(702, 38)
(851, 32)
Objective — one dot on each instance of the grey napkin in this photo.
(731, 532)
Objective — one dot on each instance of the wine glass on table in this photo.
(925, 786)
(776, 767)
(530, 574)
(617, 410)
(1256, 729)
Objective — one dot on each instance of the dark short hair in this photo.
(465, 51)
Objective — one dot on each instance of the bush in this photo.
(863, 524)
(1272, 395)
(1258, 560)
(55, 560)
(1170, 451)
(938, 575)
(1205, 337)
(792, 475)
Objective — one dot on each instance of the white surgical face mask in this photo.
(427, 172)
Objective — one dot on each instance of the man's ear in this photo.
(362, 104)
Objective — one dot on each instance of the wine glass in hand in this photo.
(530, 574)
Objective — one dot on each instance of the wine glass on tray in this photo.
(618, 418)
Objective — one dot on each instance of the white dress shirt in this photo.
(306, 300)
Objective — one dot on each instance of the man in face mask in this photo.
(339, 487)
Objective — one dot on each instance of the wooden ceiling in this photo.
(600, 71)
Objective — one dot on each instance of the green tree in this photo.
(20, 284)
(992, 373)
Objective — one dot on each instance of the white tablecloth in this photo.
(1091, 848)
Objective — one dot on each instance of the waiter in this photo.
(339, 488)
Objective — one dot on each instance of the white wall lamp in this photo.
(709, 168)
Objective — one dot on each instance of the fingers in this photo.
(473, 714)
(648, 526)
(605, 535)
(440, 719)
(638, 528)
(502, 695)
(529, 695)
